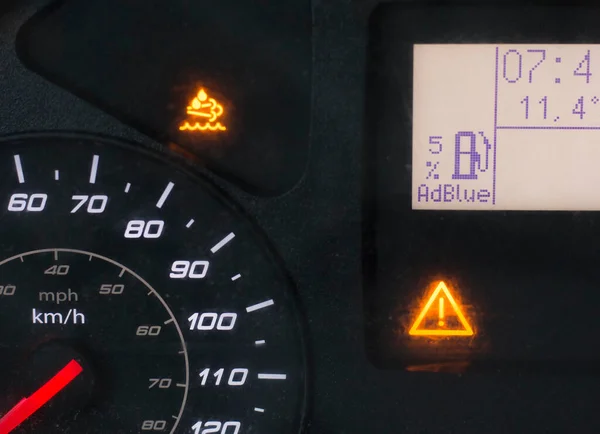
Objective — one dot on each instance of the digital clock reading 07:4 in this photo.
(506, 127)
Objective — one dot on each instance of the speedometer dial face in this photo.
(134, 299)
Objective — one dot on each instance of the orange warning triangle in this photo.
(459, 326)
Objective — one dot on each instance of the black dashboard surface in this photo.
(315, 220)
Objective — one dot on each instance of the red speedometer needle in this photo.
(27, 406)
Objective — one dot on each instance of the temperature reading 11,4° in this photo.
(506, 127)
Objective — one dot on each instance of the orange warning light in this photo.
(206, 109)
(429, 324)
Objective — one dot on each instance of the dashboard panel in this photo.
(248, 217)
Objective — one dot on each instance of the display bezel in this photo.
(528, 241)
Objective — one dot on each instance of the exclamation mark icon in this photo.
(441, 313)
(426, 325)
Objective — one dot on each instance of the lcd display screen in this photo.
(506, 127)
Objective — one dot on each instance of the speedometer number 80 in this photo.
(143, 229)
(154, 425)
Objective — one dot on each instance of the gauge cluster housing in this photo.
(317, 228)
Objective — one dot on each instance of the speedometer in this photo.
(133, 298)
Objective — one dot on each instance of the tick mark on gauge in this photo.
(236, 277)
(190, 223)
(260, 342)
(19, 167)
(221, 244)
(169, 321)
(259, 306)
(272, 376)
(259, 410)
(94, 170)
(181, 385)
(165, 195)
(56, 255)
(122, 272)
(56, 175)
(127, 187)
(21, 258)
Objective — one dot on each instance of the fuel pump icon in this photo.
(467, 146)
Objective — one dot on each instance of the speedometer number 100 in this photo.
(213, 321)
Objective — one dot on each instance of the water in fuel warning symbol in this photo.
(441, 316)
(203, 113)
